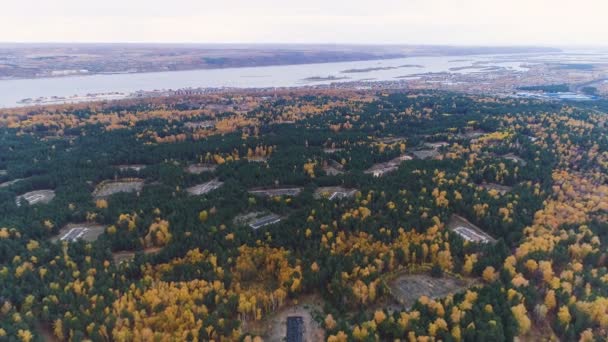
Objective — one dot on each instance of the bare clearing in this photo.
(274, 327)
(204, 188)
(11, 182)
(425, 154)
(334, 192)
(501, 189)
(257, 159)
(108, 188)
(35, 197)
(207, 124)
(514, 158)
(124, 256)
(133, 167)
(276, 192)
(468, 231)
(408, 288)
(256, 220)
(381, 169)
(197, 169)
(73, 232)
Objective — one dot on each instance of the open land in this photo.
(79, 231)
(108, 188)
(468, 231)
(381, 169)
(274, 327)
(133, 167)
(204, 188)
(200, 168)
(34, 197)
(334, 192)
(501, 189)
(276, 192)
(408, 288)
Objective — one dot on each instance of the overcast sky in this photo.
(457, 22)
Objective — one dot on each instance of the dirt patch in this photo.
(408, 288)
(197, 169)
(108, 188)
(274, 327)
(468, 231)
(73, 232)
(204, 188)
(35, 197)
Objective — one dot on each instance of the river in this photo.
(13, 91)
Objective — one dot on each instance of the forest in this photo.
(171, 265)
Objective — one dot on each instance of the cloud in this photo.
(555, 22)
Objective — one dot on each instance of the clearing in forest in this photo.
(258, 219)
(274, 327)
(425, 154)
(108, 188)
(34, 197)
(204, 188)
(122, 256)
(276, 192)
(197, 169)
(408, 288)
(381, 169)
(334, 192)
(501, 189)
(332, 168)
(514, 158)
(11, 182)
(129, 167)
(73, 232)
(468, 231)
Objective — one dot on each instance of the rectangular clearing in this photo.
(79, 231)
(408, 288)
(108, 188)
(204, 188)
(468, 231)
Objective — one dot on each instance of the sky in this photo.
(451, 22)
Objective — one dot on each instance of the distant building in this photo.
(295, 329)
